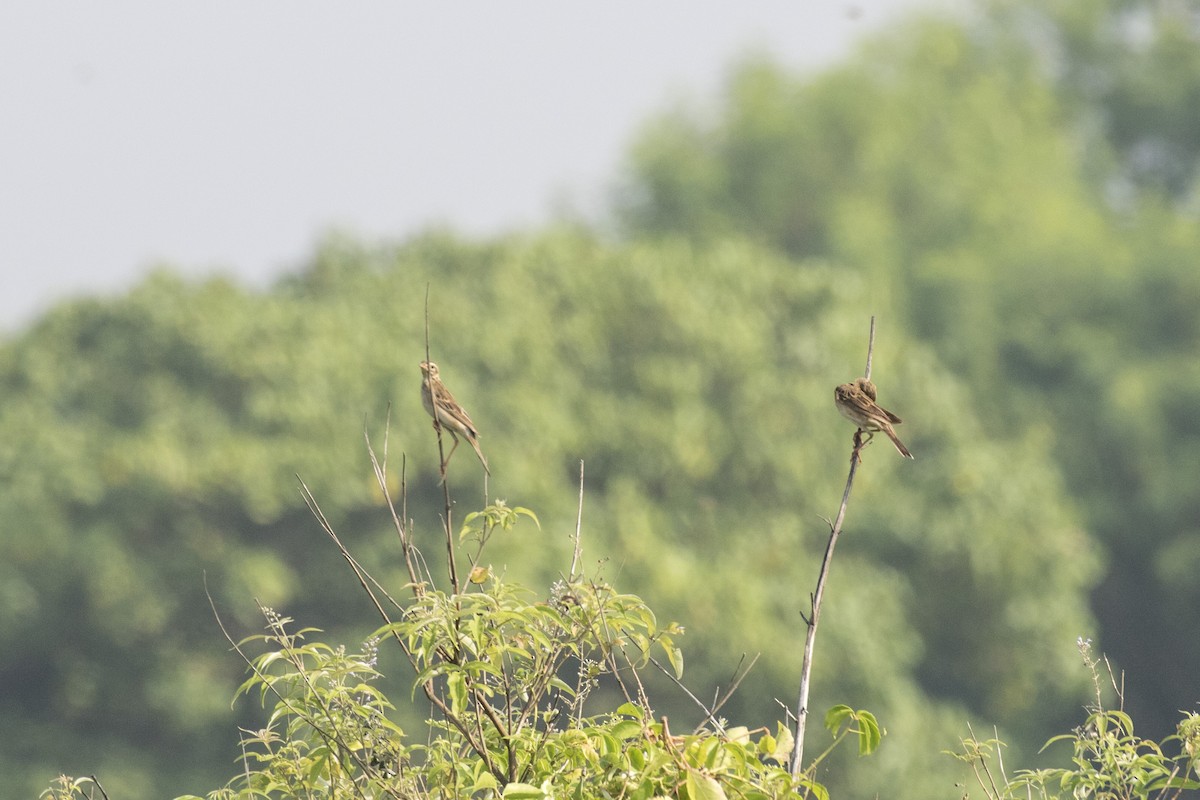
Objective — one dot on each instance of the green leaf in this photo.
(738, 733)
(485, 781)
(836, 717)
(818, 790)
(456, 686)
(627, 729)
(785, 742)
(674, 657)
(631, 710)
(528, 513)
(702, 787)
(869, 733)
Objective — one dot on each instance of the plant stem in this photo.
(810, 639)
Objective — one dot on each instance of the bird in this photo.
(856, 402)
(449, 414)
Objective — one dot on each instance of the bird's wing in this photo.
(451, 407)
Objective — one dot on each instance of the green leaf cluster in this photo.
(507, 677)
(1108, 759)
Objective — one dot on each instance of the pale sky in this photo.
(229, 136)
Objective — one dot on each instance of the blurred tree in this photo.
(150, 444)
(1129, 71)
(1018, 182)
(1011, 189)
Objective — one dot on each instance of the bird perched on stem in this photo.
(856, 402)
(449, 414)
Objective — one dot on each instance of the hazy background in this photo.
(227, 136)
(1009, 186)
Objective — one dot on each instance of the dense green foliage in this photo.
(696, 383)
(507, 676)
(1011, 191)
(1020, 184)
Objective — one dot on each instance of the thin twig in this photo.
(990, 787)
(739, 675)
(578, 530)
(817, 596)
(447, 520)
(380, 470)
(364, 577)
(609, 654)
(332, 736)
(710, 714)
(96, 781)
(477, 743)
(870, 348)
(999, 754)
(1120, 690)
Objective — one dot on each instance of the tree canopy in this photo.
(1011, 191)
(157, 437)
(1014, 181)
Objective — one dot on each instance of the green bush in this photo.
(1108, 760)
(508, 676)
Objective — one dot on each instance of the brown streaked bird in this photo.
(450, 415)
(856, 402)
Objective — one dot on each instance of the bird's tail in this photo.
(482, 460)
(896, 441)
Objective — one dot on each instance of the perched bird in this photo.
(449, 414)
(856, 402)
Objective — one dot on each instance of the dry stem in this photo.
(810, 638)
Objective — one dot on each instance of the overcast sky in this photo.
(230, 136)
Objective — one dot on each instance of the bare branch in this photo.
(870, 348)
(578, 530)
(380, 470)
(447, 519)
(817, 596)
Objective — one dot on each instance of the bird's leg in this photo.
(437, 426)
(860, 442)
(452, 449)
